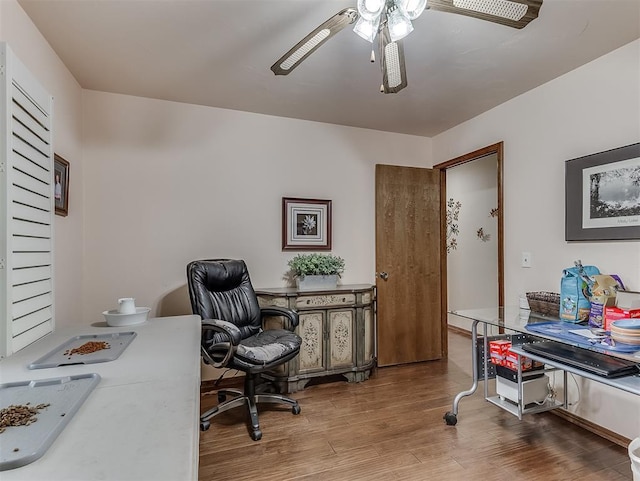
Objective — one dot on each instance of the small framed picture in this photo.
(61, 185)
(306, 224)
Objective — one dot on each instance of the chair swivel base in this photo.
(251, 402)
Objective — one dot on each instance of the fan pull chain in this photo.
(373, 56)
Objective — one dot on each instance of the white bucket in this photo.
(634, 455)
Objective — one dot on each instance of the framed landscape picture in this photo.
(602, 195)
(306, 224)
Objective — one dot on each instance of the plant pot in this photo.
(316, 283)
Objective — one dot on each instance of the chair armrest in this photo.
(226, 337)
(281, 311)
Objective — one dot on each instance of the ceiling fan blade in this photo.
(512, 13)
(314, 40)
(394, 74)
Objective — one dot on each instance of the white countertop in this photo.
(142, 420)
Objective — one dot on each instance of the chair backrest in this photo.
(221, 289)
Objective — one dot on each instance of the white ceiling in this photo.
(219, 53)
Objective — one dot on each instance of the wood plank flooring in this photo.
(391, 428)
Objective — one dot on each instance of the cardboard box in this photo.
(615, 313)
(627, 306)
(498, 351)
(512, 362)
(628, 300)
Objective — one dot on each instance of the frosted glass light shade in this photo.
(370, 9)
(413, 8)
(399, 25)
(367, 29)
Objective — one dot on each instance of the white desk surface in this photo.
(140, 423)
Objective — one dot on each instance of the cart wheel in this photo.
(451, 419)
(204, 425)
(295, 409)
(222, 398)
(256, 435)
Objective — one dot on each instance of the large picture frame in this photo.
(61, 185)
(306, 224)
(602, 195)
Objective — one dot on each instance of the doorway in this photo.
(492, 153)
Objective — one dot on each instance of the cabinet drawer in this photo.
(306, 302)
(268, 301)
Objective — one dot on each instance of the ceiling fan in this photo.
(390, 22)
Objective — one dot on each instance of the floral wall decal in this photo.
(482, 236)
(493, 212)
(453, 212)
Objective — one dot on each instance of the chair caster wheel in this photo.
(296, 409)
(204, 425)
(222, 398)
(256, 435)
(451, 419)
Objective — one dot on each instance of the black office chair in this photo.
(232, 336)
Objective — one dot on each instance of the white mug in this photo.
(127, 305)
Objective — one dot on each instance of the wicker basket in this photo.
(547, 303)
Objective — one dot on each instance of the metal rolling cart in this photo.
(483, 369)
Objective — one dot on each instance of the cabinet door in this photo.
(311, 330)
(341, 325)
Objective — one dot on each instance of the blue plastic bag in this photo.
(575, 291)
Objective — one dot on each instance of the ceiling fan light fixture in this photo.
(413, 8)
(500, 8)
(399, 25)
(370, 9)
(367, 29)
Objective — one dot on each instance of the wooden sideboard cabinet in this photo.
(337, 328)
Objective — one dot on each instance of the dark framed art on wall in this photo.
(61, 185)
(602, 195)
(306, 224)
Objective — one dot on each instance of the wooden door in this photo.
(408, 265)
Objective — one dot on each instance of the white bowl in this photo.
(634, 340)
(116, 319)
(627, 323)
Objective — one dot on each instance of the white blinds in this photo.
(27, 211)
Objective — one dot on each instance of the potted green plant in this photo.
(316, 271)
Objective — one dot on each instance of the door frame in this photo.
(498, 150)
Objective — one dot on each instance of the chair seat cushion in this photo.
(268, 346)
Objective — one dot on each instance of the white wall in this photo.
(166, 183)
(472, 268)
(33, 50)
(591, 109)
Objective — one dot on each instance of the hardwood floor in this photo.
(391, 428)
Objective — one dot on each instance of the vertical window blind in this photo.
(26, 219)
